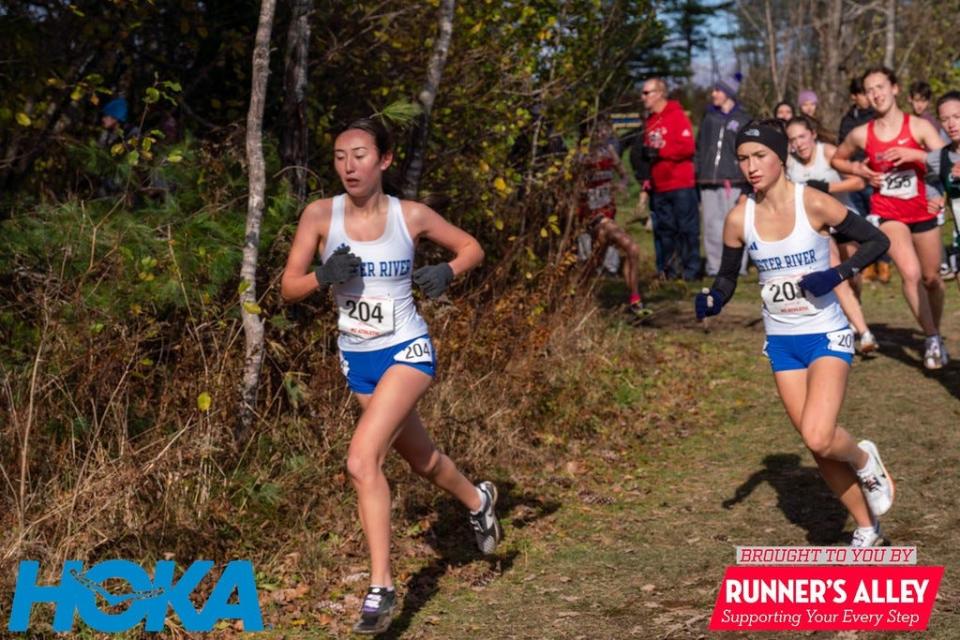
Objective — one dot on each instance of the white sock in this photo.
(483, 501)
(867, 468)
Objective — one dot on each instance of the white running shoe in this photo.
(868, 343)
(875, 482)
(486, 528)
(867, 536)
(932, 354)
(944, 356)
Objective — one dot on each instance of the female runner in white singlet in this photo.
(366, 240)
(809, 164)
(785, 229)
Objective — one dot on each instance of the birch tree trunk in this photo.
(830, 44)
(891, 33)
(250, 311)
(418, 138)
(293, 149)
(772, 46)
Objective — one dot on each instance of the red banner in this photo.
(827, 598)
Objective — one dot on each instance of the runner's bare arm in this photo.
(848, 182)
(424, 222)
(900, 155)
(926, 134)
(298, 280)
(822, 210)
(618, 165)
(855, 141)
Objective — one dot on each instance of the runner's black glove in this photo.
(434, 279)
(339, 267)
(708, 303)
(820, 283)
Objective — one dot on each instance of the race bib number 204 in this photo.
(841, 340)
(365, 317)
(419, 351)
(783, 296)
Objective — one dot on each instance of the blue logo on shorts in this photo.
(148, 599)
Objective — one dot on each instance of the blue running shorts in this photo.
(787, 353)
(363, 369)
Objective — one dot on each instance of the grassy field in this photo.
(627, 532)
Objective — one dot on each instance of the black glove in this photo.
(434, 279)
(339, 267)
(819, 185)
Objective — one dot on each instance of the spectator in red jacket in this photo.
(669, 146)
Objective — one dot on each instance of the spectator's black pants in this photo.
(676, 228)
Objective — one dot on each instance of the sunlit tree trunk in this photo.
(889, 49)
(831, 44)
(772, 45)
(418, 139)
(252, 324)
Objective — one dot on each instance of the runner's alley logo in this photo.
(826, 589)
(148, 600)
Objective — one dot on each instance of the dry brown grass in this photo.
(87, 475)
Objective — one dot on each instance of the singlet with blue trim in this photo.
(786, 310)
(376, 308)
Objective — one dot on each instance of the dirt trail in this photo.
(632, 543)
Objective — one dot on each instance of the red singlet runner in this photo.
(902, 196)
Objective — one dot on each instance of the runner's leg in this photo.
(848, 299)
(812, 398)
(380, 423)
(929, 247)
(614, 235)
(416, 447)
(908, 264)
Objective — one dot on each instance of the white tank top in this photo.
(786, 311)
(376, 308)
(819, 170)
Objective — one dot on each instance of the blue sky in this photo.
(721, 22)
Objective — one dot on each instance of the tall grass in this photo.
(119, 318)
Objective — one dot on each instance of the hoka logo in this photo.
(233, 596)
(753, 133)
